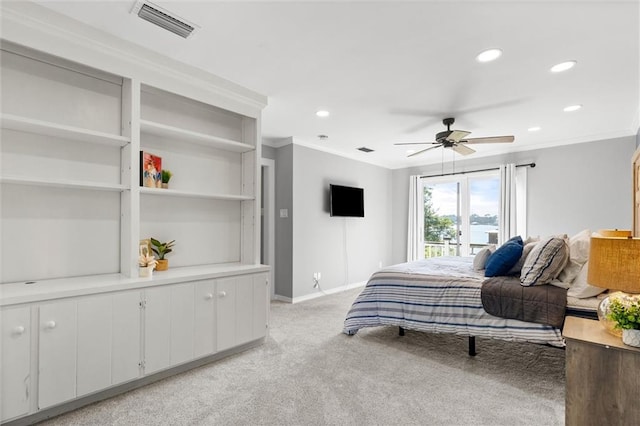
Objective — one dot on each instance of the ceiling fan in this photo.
(455, 139)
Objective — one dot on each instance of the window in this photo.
(461, 213)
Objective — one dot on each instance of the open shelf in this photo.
(184, 135)
(193, 194)
(60, 183)
(30, 125)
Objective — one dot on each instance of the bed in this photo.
(442, 295)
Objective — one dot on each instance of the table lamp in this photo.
(614, 263)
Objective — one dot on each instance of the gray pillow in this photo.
(545, 262)
(480, 260)
(517, 268)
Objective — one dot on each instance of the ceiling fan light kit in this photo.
(455, 139)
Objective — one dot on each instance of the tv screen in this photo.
(346, 201)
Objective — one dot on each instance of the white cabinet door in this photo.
(94, 344)
(241, 310)
(260, 305)
(226, 313)
(205, 320)
(157, 328)
(15, 324)
(57, 353)
(182, 323)
(168, 326)
(126, 354)
(244, 310)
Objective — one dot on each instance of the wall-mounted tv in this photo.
(346, 201)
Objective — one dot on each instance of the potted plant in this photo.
(146, 263)
(162, 249)
(624, 310)
(166, 177)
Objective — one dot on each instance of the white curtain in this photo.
(415, 231)
(513, 202)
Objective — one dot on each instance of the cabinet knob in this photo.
(18, 330)
(50, 324)
(208, 296)
(222, 293)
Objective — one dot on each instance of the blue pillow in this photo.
(516, 239)
(503, 259)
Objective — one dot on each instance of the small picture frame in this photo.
(145, 248)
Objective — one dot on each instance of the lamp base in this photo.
(603, 315)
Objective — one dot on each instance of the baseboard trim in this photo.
(322, 293)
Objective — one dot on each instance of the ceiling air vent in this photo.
(163, 18)
(365, 149)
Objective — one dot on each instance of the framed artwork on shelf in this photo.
(145, 247)
(150, 170)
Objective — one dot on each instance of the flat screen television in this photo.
(346, 201)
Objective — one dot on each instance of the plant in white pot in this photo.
(624, 310)
(146, 262)
(162, 249)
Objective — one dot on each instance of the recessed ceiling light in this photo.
(534, 128)
(563, 66)
(322, 113)
(489, 55)
(572, 108)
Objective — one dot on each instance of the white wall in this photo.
(573, 187)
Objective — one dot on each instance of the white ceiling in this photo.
(390, 71)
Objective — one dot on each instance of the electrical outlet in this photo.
(316, 279)
(380, 264)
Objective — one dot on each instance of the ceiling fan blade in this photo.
(417, 143)
(422, 150)
(491, 139)
(462, 149)
(457, 135)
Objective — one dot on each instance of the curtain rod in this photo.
(532, 165)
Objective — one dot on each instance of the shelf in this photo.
(50, 289)
(59, 183)
(184, 135)
(193, 194)
(29, 125)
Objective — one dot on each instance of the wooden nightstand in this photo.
(602, 376)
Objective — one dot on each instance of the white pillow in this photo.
(480, 260)
(581, 288)
(578, 256)
(531, 239)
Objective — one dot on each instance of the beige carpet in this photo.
(309, 373)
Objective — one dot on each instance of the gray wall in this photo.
(284, 228)
(573, 187)
(268, 152)
(343, 250)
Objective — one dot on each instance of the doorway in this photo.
(267, 219)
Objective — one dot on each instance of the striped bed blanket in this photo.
(438, 295)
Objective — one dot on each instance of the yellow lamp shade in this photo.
(617, 233)
(614, 263)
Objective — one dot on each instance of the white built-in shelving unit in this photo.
(76, 319)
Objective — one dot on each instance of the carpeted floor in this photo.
(309, 373)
